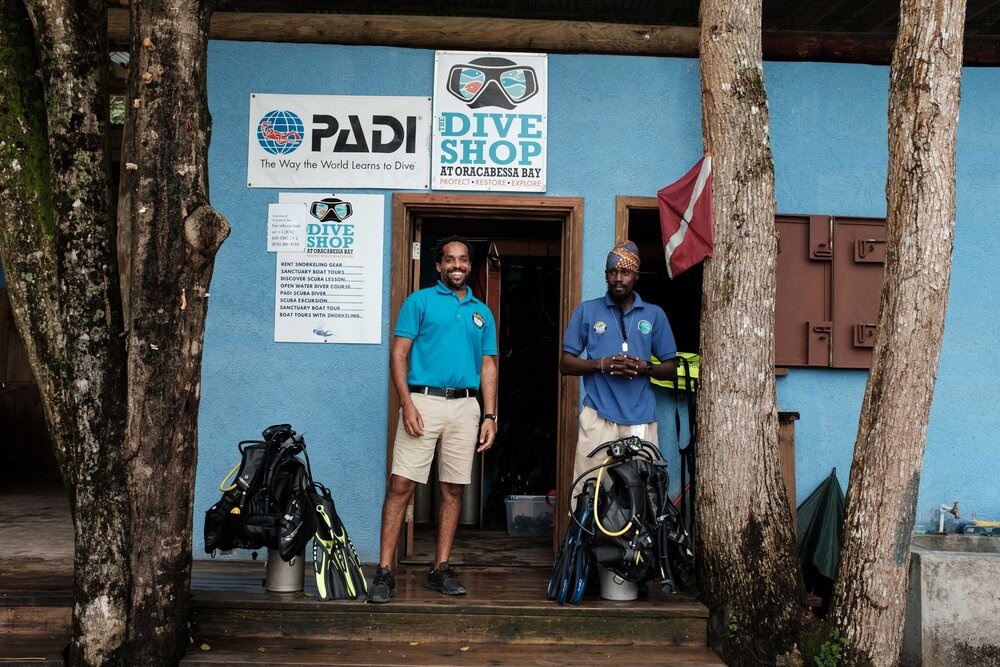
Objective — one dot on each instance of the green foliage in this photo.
(829, 653)
(734, 631)
(117, 110)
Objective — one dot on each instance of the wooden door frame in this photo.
(623, 206)
(408, 208)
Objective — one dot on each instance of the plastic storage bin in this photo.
(528, 515)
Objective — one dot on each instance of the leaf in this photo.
(206, 647)
(464, 648)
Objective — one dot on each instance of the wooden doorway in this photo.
(409, 211)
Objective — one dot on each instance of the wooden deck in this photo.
(505, 619)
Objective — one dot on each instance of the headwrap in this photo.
(625, 256)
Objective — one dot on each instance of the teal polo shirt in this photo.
(450, 337)
(596, 327)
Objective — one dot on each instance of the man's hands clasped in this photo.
(623, 365)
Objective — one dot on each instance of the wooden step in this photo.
(505, 615)
(35, 620)
(31, 651)
(237, 651)
(504, 605)
(22, 615)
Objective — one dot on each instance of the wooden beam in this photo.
(483, 34)
(442, 32)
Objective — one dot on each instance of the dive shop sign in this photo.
(328, 283)
(490, 121)
(307, 141)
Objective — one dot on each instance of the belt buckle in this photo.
(450, 393)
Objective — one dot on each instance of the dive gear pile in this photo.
(273, 502)
(625, 520)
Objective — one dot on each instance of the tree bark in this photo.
(748, 565)
(924, 92)
(174, 235)
(57, 246)
(126, 446)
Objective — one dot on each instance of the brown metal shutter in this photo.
(829, 275)
(803, 310)
(857, 286)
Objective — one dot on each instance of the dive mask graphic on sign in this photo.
(331, 208)
(497, 82)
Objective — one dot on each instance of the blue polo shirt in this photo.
(450, 337)
(596, 327)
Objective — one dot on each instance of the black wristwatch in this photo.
(490, 416)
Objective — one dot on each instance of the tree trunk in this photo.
(127, 453)
(57, 246)
(748, 565)
(924, 91)
(174, 236)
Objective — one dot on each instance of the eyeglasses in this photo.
(331, 209)
(517, 83)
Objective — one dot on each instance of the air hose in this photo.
(597, 516)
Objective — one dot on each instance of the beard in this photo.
(452, 283)
(619, 296)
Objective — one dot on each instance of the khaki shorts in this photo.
(455, 421)
(594, 431)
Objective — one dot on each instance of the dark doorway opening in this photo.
(523, 460)
(680, 297)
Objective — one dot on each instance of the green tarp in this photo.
(820, 521)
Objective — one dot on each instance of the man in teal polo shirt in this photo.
(618, 331)
(449, 337)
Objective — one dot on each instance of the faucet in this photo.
(953, 510)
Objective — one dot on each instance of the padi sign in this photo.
(305, 141)
(490, 123)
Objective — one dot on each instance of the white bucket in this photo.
(282, 577)
(613, 587)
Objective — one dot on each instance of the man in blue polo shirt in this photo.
(449, 337)
(618, 331)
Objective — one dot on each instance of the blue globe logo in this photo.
(279, 132)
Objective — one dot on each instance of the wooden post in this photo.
(786, 456)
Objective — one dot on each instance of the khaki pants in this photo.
(455, 421)
(594, 431)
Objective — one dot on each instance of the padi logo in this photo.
(492, 82)
(279, 132)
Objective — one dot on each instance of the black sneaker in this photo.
(383, 586)
(443, 579)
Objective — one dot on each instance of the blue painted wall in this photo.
(617, 126)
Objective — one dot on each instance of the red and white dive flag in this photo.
(686, 218)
